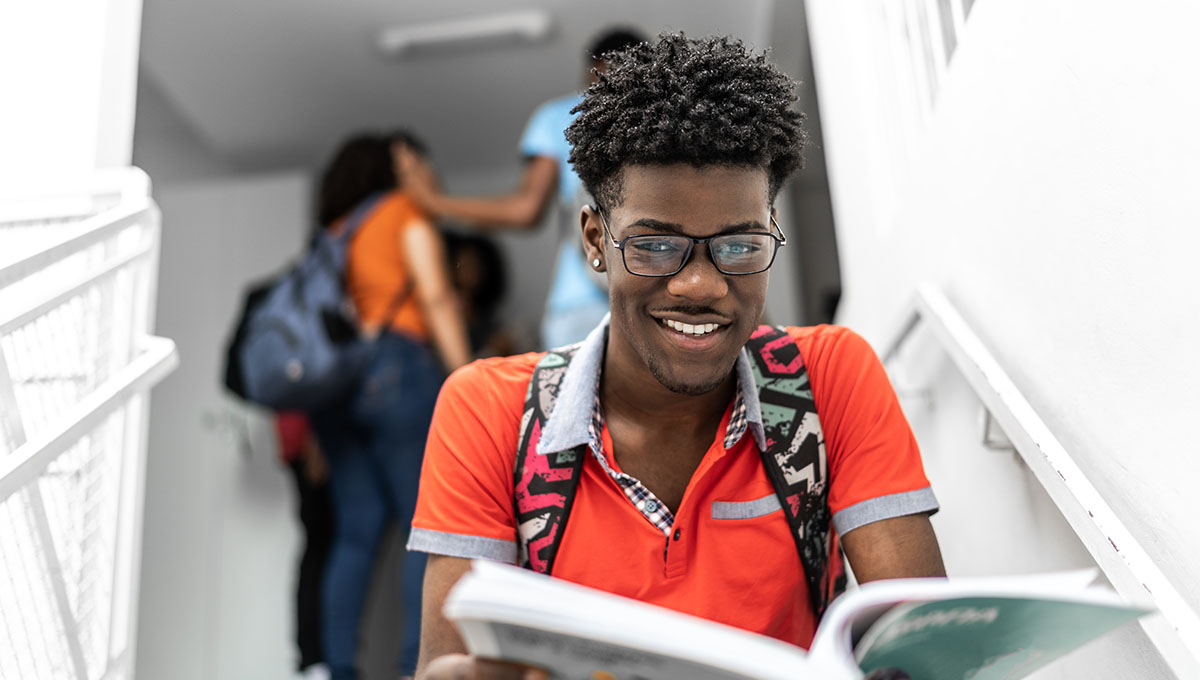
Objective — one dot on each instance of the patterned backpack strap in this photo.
(544, 485)
(795, 459)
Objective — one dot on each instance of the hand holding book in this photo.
(463, 666)
(931, 628)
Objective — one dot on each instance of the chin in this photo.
(693, 387)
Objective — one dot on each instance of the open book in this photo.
(933, 629)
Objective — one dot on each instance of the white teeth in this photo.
(691, 329)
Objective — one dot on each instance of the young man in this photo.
(576, 302)
(684, 145)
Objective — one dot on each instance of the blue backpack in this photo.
(297, 345)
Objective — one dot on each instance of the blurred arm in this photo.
(438, 636)
(426, 259)
(521, 209)
(443, 653)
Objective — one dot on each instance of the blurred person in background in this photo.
(398, 281)
(578, 299)
(481, 279)
(300, 453)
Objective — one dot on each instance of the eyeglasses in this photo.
(735, 254)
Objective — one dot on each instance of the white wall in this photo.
(1045, 180)
(167, 147)
(220, 541)
(68, 75)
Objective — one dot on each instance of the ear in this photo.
(593, 238)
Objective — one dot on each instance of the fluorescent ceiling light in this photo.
(526, 26)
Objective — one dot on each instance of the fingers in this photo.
(411, 161)
(464, 667)
(450, 667)
(414, 170)
(488, 669)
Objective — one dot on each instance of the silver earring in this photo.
(596, 262)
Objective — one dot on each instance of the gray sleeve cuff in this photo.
(462, 545)
(884, 507)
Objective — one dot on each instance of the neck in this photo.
(641, 397)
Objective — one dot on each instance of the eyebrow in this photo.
(673, 228)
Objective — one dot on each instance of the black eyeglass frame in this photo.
(780, 241)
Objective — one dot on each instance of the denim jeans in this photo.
(374, 443)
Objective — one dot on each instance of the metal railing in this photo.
(78, 272)
(1175, 629)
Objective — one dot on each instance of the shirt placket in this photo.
(654, 510)
(651, 508)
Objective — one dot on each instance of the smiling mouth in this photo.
(695, 330)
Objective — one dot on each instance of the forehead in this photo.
(684, 194)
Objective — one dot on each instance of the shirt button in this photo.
(676, 537)
(651, 506)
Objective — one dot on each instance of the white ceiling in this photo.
(269, 83)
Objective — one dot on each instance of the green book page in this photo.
(981, 638)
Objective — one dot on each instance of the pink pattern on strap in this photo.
(535, 550)
(768, 356)
(539, 466)
(794, 501)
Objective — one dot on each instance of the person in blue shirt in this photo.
(577, 300)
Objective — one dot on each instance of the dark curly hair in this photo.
(361, 166)
(678, 100)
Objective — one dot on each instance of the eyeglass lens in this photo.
(657, 255)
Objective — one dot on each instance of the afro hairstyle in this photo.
(701, 101)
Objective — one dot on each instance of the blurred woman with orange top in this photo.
(374, 441)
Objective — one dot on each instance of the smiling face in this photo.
(684, 330)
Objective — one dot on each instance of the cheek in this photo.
(627, 295)
(752, 303)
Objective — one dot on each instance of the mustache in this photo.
(691, 310)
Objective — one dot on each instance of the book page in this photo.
(983, 638)
(577, 632)
(579, 658)
(849, 616)
(1026, 621)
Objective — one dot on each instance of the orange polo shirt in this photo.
(376, 269)
(728, 556)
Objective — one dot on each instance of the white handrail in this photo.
(78, 270)
(84, 234)
(157, 359)
(1175, 629)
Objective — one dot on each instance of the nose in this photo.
(699, 279)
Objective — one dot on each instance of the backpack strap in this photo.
(354, 222)
(330, 248)
(795, 462)
(795, 459)
(544, 485)
(358, 216)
